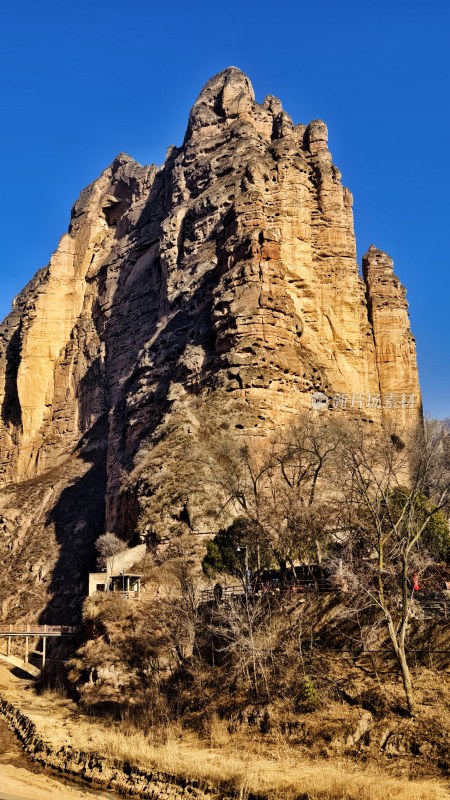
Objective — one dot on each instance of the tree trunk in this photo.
(406, 679)
(318, 552)
(399, 648)
(401, 655)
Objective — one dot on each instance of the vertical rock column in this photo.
(395, 346)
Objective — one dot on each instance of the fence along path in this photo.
(308, 585)
(432, 604)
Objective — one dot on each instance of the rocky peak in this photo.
(382, 283)
(220, 290)
(316, 136)
(395, 348)
(225, 95)
(228, 98)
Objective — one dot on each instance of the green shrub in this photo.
(308, 698)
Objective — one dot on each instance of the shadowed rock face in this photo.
(222, 287)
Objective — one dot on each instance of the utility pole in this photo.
(247, 572)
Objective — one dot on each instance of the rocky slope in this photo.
(218, 291)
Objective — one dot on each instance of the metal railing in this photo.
(433, 604)
(38, 630)
(320, 585)
(131, 594)
(207, 595)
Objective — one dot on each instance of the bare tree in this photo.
(245, 634)
(381, 495)
(180, 610)
(280, 490)
(393, 495)
(241, 474)
(108, 545)
(304, 499)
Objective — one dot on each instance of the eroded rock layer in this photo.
(222, 287)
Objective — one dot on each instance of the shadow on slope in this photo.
(78, 519)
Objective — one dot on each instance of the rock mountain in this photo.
(218, 291)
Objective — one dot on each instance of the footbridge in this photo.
(29, 631)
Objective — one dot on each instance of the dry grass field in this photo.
(277, 772)
(280, 775)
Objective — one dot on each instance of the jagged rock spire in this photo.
(395, 347)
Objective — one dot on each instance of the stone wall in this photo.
(123, 778)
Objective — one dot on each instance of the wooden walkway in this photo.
(38, 630)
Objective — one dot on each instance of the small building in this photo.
(125, 583)
(116, 578)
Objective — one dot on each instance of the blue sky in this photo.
(83, 81)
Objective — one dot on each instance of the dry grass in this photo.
(276, 770)
(279, 776)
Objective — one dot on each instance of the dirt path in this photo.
(21, 779)
(19, 784)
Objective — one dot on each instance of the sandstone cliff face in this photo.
(395, 348)
(222, 287)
